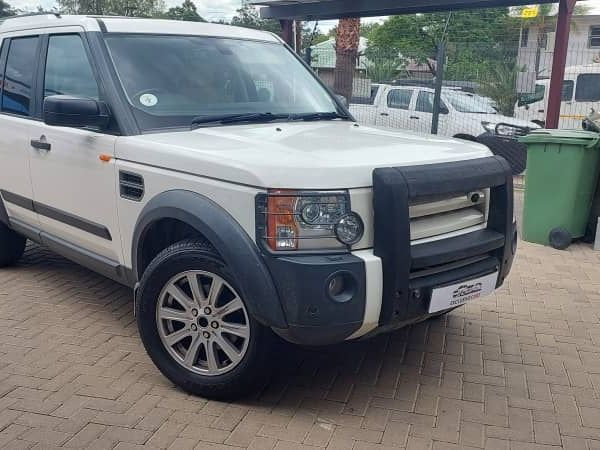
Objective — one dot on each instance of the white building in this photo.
(537, 45)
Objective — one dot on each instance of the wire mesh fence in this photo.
(492, 92)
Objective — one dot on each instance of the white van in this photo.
(580, 94)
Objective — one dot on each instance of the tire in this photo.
(12, 246)
(560, 238)
(240, 370)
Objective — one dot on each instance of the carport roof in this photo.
(334, 9)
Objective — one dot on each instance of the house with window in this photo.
(537, 44)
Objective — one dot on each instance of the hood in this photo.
(298, 155)
(499, 118)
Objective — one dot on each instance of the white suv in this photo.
(207, 168)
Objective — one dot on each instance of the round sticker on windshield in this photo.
(149, 100)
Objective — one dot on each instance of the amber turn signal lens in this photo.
(282, 229)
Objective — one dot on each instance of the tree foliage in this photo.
(187, 11)
(5, 9)
(131, 8)
(417, 37)
(247, 16)
(500, 85)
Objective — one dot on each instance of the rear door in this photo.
(395, 108)
(19, 58)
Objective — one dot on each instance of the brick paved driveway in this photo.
(520, 370)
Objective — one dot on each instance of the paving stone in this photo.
(519, 370)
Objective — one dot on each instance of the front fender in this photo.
(234, 245)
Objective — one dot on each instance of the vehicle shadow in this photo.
(333, 381)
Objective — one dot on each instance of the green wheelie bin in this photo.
(562, 172)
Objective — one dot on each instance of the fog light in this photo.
(336, 286)
(349, 229)
(341, 287)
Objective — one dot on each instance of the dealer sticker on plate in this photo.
(458, 294)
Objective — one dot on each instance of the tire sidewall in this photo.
(158, 274)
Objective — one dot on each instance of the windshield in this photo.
(469, 103)
(172, 81)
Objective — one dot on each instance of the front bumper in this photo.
(392, 283)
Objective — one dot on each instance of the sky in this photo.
(225, 9)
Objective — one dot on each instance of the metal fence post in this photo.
(439, 80)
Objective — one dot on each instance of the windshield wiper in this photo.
(237, 118)
(318, 116)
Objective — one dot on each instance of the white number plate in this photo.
(461, 293)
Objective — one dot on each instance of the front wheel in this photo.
(196, 326)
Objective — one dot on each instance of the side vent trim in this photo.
(131, 186)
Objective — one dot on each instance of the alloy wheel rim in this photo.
(203, 323)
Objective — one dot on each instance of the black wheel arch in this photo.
(229, 239)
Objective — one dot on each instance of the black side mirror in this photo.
(444, 110)
(76, 112)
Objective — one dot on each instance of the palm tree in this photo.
(499, 85)
(346, 51)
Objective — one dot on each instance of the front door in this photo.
(394, 111)
(422, 115)
(74, 190)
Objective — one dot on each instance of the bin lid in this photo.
(576, 137)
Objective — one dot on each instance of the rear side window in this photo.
(68, 70)
(399, 98)
(21, 65)
(588, 87)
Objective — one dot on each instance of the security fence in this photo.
(491, 93)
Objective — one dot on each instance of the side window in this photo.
(68, 70)
(567, 90)
(425, 102)
(374, 91)
(588, 88)
(18, 78)
(399, 98)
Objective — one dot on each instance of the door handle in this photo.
(384, 114)
(541, 110)
(40, 145)
(414, 117)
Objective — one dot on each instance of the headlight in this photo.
(490, 127)
(301, 220)
(501, 129)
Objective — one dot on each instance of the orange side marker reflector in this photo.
(105, 158)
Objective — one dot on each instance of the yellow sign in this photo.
(530, 12)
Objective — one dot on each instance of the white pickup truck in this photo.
(208, 169)
(462, 114)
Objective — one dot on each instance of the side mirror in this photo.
(343, 100)
(75, 112)
(444, 110)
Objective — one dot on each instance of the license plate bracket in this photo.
(458, 294)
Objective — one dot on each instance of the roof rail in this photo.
(41, 13)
